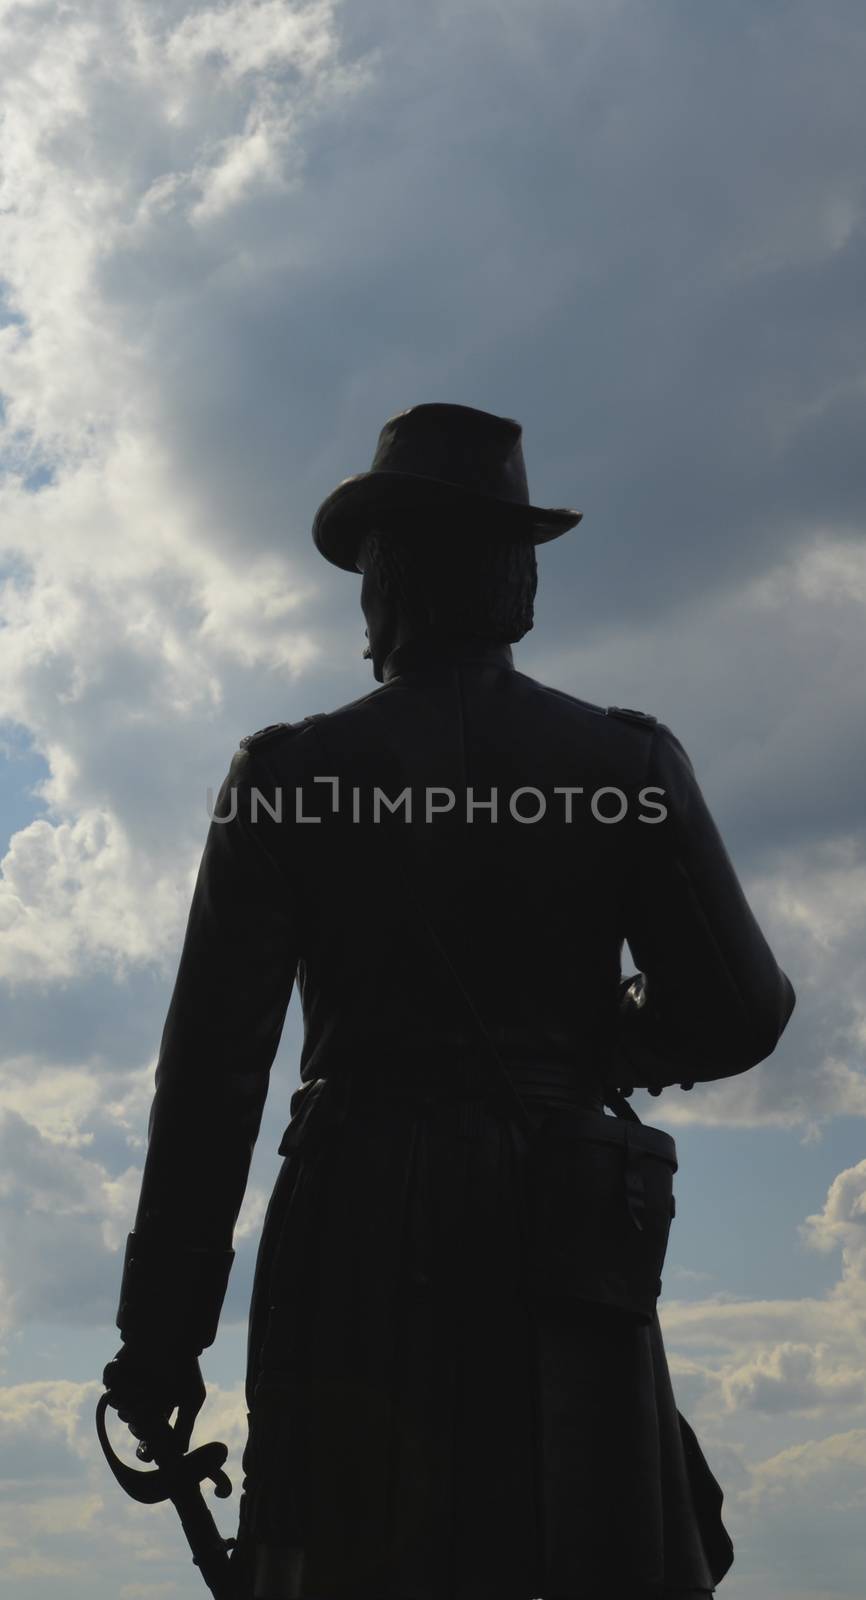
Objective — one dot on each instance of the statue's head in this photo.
(444, 577)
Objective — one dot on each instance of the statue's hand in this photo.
(644, 1051)
(144, 1384)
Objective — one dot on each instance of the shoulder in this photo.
(270, 734)
(290, 739)
(277, 747)
(344, 725)
(383, 693)
(641, 719)
(631, 746)
(527, 684)
(276, 734)
(598, 713)
(659, 747)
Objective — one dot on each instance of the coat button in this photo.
(655, 1088)
(687, 1085)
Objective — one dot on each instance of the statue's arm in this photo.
(234, 981)
(716, 1001)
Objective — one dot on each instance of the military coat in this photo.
(418, 1429)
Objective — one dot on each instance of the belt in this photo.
(553, 1083)
(549, 1085)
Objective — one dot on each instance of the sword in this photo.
(178, 1478)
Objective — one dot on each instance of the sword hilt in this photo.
(174, 1470)
(178, 1477)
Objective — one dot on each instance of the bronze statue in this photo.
(420, 1426)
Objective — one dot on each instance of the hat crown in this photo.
(453, 461)
(472, 449)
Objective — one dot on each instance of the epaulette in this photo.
(274, 728)
(629, 715)
(270, 732)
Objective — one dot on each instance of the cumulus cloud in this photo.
(842, 1222)
(777, 1391)
(167, 565)
(235, 238)
(843, 1218)
(123, 626)
(789, 1377)
(805, 1507)
(67, 1204)
(64, 1518)
(799, 1361)
(62, 1212)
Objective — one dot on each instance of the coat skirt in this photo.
(418, 1430)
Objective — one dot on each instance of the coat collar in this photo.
(443, 652)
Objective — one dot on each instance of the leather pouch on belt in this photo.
(600, 1213)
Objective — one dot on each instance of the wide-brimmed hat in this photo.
(438, 457)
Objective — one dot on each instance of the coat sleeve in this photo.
(713, 1002)
(234, 981)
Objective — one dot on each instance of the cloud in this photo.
(237, 237)
(64, 1518)
(777, 1393)
(39, 1434)
(787, 1357)
(204, 299)
(63, 1213)
(788, 1378)
(68, 1196)
(842, 1221)
(795, 1471)
(803, 1512)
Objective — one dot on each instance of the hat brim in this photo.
(346, 513)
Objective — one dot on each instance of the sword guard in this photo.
(185, 1471)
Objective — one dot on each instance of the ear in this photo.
(374, 577)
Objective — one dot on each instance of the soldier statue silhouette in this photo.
(449, 867)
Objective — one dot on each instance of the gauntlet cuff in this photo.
(172, 1296)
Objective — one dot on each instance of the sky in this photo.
(234, 239)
